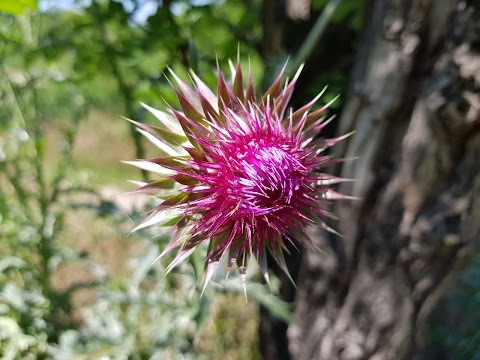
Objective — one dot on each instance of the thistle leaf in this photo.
(237, 89)
(147, 165)
(160, 143)
(189, 94)
(167, 120)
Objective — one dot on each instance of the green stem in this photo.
(31, 123)
(16, 172)
(45, 244)
(313, 37)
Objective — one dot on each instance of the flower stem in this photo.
(313, 37)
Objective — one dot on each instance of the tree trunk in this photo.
(415, 105)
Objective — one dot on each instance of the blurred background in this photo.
(74, 283)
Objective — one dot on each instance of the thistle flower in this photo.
(239, 172)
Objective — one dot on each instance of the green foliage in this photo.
(54, 68)
(32, 206)
(17, 7)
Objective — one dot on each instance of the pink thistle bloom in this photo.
(239, 172)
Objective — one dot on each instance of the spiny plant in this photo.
(241, 172)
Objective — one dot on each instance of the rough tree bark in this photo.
(414, 102)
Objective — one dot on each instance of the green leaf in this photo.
(17, 7)
(261, 294)
(202, 316)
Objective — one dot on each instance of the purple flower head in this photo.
(239, 172)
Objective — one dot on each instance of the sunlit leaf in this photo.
(17, 7)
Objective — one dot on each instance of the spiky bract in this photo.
(237, 171)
